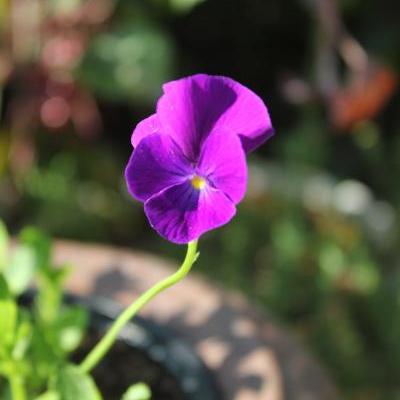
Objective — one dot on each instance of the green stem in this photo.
(17, 387)
(102, 347)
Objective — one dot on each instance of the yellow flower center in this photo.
(198, 182)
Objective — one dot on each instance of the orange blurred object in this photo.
(363, 98)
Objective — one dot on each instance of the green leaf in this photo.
(71, 327)
(3, 245)
(23, 336)
(41, 246)
(8, 315)
(72, 384)
(184, 5)
(20, 270)
(136, 61)
(5, 392)
(50, 292)
(139, 391)
(43, 353)
(49, 396)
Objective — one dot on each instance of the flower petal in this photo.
(194, 106)
(223, 162)
(190, 107)
(181, 213)
(248, 117)
(156, 164)
(144, 128)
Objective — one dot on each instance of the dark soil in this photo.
(123, 366)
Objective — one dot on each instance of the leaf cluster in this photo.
(37, 337)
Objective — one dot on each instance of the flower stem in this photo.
(102, 347)
(17, 387)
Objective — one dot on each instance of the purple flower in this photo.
(189, 163)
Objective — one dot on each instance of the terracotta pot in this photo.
(251, 357)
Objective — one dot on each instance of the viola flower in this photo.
(188, 165)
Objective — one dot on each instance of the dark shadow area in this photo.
(301, 376)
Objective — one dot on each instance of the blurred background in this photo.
(316, 242)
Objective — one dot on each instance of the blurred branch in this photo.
(351, 97)
(336, 40)
(353, 54)
(25, 17)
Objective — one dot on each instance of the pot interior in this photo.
(125, 365)
(145, 352)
